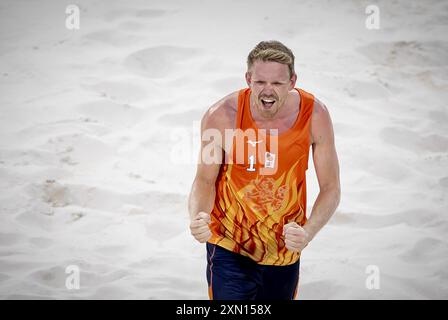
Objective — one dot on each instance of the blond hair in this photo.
(272, 51)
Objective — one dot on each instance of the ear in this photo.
(248, 78)
(292, 82)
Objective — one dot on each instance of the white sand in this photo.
(89, 121)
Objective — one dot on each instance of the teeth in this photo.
(268, 101)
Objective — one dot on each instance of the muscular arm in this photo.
(202, 193)
(219, 117)
(327, 170)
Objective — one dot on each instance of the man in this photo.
(250, 206)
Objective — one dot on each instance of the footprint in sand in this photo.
(444, 182)
(181, 119)
(426, 249)
(156, 228)
(413, 141)
(321, 289)
(366, 90)
(414, 218)
(438, 116)
(9, 239)
(4, 277)
(56, 194)
(407, 53)
(132, 13)
(86, 149)
(41, 242)
(110, 112)
(395, 171)
(118, 91)
(113, 37)
(161, 61)
(109, 293)
(68, 160)
(54, 277)
(150, 13)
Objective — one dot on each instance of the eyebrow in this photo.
(277, 81)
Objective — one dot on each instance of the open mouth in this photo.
(267, 103)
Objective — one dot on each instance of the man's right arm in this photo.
(219, 117)
(202, 195)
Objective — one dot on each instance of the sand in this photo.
(98, 138)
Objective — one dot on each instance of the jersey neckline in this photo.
(285, 133)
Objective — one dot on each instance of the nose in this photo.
(268, 89)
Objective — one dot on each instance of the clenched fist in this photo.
(199, 227)
(296, 238)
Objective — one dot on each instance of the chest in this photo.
(254, 152)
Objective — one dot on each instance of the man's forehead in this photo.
(270, 69)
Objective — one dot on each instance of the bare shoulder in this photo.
(222, 114)
(321, 125)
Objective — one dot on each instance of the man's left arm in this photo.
(327, 170)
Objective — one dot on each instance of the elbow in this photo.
(204, 182)
(335, 192)
(338, 196)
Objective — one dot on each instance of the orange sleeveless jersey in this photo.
(257, 195)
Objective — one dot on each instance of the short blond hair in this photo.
(272, 51)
